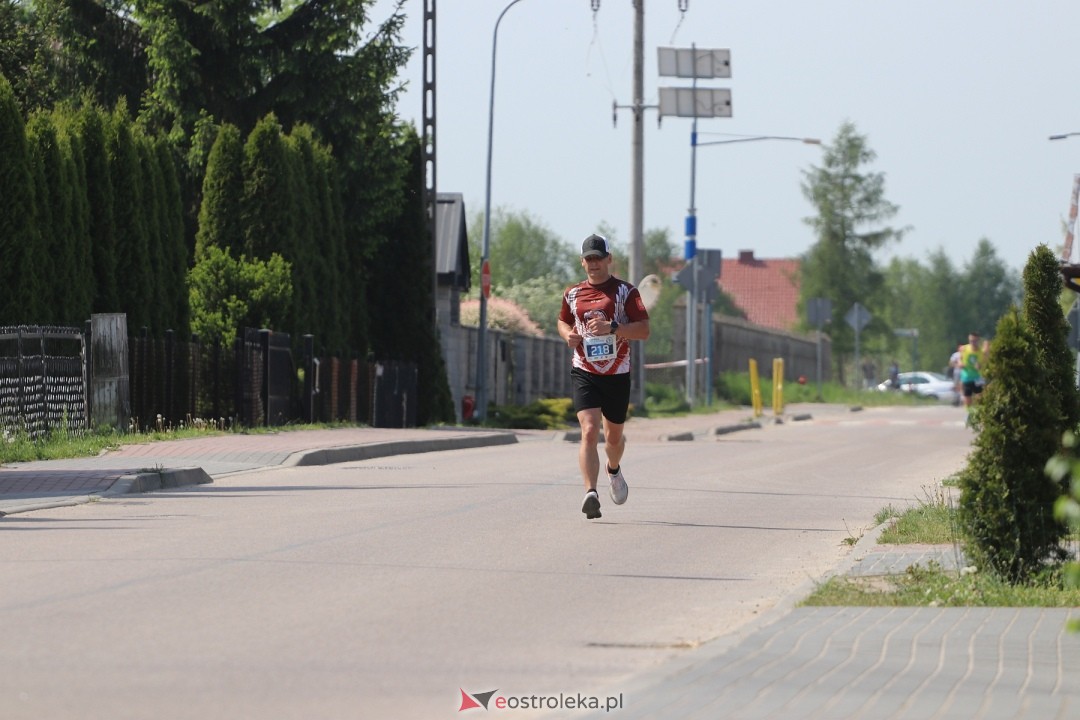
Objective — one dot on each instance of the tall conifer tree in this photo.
(133, 267)
(92, 124)
(1050, 331)
(52, 251)
(220, 222)
(16, 213)
(174, 249)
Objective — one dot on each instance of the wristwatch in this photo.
(614, 326)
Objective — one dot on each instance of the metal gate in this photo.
(269, 379)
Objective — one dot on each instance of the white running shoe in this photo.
(619, 490)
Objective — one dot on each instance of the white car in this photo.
(928, 384)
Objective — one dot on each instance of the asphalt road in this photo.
(384, 588)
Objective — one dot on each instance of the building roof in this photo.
(766, 290)
(452, 241)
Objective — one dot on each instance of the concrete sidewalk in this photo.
(152, 466)
(878, 663)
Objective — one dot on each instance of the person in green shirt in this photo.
(971, 380)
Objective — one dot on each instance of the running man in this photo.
(599, 317)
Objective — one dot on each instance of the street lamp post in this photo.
(1070, 272)
(704, 294)
(481, 342)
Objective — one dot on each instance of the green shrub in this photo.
(1006, 500)
(547, 414)
(1049, 329)
(663, 399)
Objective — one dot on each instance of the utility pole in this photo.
(637, 211)
(637, 193)
(428, 150)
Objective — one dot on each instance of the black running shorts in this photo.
(610, 393)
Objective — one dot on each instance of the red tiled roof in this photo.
(766, 290)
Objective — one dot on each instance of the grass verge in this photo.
(932, 520)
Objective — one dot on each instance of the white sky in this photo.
(956, 97)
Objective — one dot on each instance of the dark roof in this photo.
(452, 241)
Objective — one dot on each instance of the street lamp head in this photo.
(1062, 136)
(811, 141)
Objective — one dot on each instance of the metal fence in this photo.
(42, 380)
(168, 382)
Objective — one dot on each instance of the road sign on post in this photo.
(695, 102)
(693, 63)
(485, 279)
(819, 311)
(685, 277)
(858, 318)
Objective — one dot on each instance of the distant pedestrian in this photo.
(597, 320)
(971, 379)
(894, 375)
(955, 365)
(869, 373)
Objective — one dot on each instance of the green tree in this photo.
(530, 265)
(658, 251)
(174, 245)
(660, 345)
(923, 297)
(228, 293)
(308, 61)
(849, 225)
(153, 200)
(308, 263)
(80, 283)
(521, 247)
(53, 250)
(220, 222)
(404, 327)
(76, 217)
(266, 206)
(1006, 500)
(17, 235)
(987, 290)
(334, 295)
(88, 46)
(24, 53)
(1050, 330)
(91, 128)
(133, 266)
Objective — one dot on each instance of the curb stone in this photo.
(153, 480)
(725, 429)
(352, 453)
(141, 482)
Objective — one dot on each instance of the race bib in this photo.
(600, 347)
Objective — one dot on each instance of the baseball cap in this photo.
(594, 246)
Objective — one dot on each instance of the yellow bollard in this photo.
(755, 388)
(778, 386)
